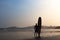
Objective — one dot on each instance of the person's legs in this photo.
(39, 32)
(35, 34)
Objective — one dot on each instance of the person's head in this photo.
(39, 18)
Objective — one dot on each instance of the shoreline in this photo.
(44, 38)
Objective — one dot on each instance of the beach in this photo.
(29, 35)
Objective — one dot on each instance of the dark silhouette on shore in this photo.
(37, 28)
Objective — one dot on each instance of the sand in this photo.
(25, 35)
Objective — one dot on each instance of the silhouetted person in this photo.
(39, 26)
(36, 30)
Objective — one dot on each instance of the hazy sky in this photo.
(26, 12)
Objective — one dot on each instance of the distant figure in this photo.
(38, 28)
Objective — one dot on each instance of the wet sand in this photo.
(28, 35)
(45, 38)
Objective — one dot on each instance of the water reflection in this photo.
(35, 38)
(28, 35)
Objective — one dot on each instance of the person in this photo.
(37, 28)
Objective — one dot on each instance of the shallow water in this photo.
(20, 35)
(50, 32)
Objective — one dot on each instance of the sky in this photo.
(24, 13)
